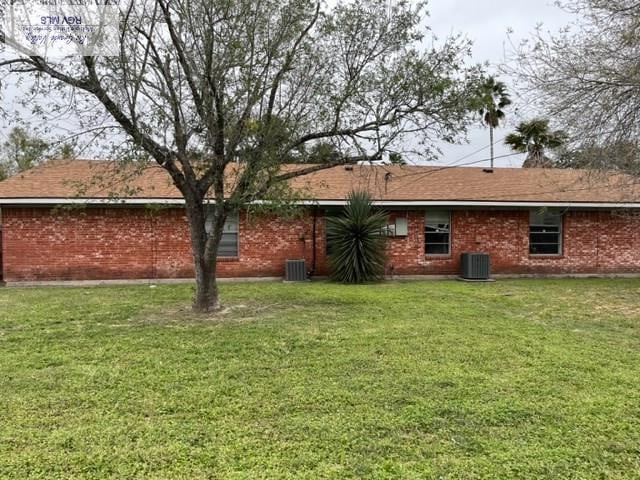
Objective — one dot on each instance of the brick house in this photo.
(59, 223)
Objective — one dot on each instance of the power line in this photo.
(455, 162)
(433, 170)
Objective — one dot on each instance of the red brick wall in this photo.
(593, 242)
(116, 243)
(1, 269)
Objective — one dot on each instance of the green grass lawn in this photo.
(514, 379)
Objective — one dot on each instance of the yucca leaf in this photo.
(358, 252)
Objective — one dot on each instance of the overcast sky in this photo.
(486, 24)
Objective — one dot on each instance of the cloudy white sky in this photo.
(486, 24)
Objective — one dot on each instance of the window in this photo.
(545, 233)
(389, 230)
(397, 227)
(229, 243)
(437, 234)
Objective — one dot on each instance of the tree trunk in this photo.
(491, 143)
(205, 247)
(206, 298)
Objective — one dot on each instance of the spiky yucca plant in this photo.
(358, 245)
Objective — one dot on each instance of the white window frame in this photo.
(448, 231)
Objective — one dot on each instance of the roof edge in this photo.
(47, 201)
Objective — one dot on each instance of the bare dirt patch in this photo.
(181, 315)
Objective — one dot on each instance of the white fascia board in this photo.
(473, 203)
(322, 203)
(91, 201)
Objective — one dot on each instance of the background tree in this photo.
(201, 87)
(533, 137)
(493, 98)
(21, 151)
(586, 77)
(622, 156)
(358, 244)
(66, 150)
(396, 158)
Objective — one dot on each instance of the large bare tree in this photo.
(586, 78)
(206, 88)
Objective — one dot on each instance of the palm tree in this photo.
(493, 99)
(532, 138)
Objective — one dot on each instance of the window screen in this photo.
(437, 235)
(545, 233)
(229, 243)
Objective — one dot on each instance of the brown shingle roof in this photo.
(63, 179)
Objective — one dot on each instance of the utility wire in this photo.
(432, 170)
(455, 162)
